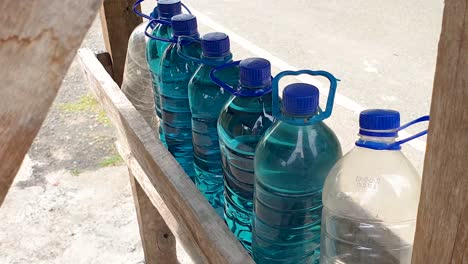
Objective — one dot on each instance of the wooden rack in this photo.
(35, 54)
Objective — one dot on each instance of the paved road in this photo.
(383, 51)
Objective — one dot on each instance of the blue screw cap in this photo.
(379, 122)
(184, 25)
(215, 44)
(169, 8)
(300, 99)
(255, 72)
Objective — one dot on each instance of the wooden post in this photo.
(442, 226)
(38, 40)
(118, 22)
(157, 240)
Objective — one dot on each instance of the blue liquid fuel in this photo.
(291, 165)
(177, 118)
(154, 52)
(241, 125)
(206, 101)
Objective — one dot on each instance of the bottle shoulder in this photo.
(246, 116)
(318, 135)
(383, 183)
(299, 157)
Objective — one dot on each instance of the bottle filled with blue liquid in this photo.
(291, 163)
(241, 124)
(155, 48)
(176, 72)
(206, 101)
(371, 196)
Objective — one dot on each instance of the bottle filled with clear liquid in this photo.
(241, 124)
(371, 197)
(176, 72)
(137, 82)
(291, 163)
(206, 101)
(155, 48)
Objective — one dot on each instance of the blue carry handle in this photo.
(322, 115)
(138, 13)
(138, 2)
(396, 145)
(155, 19)
(150, 23)
(239, 91)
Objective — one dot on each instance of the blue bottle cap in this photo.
(300, 99)
(215, 44)
(169, 8)
(184, 25)
(255, 72)
(379, 123)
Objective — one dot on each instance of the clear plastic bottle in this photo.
(137, 83)
(166, 9)
(371, 198)
(176, 72)
(291, 164)
(206, 101)
(241, 124)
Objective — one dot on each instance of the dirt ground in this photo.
(71, 201)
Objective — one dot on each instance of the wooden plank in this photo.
(442, 226)
(156, 238)
(180, 195)
(118, 22)
(37, 45)
(177, 230)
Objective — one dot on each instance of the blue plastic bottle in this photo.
(206, 101)
(175, 75)
(241, 124)
(166, 9)
(291, 163)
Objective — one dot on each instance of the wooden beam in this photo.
(180, 195)
(118, 22)
(38, 40)
(157, 240)
(442, 225)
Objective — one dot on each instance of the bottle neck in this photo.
(165, 17)
(377, 143)
(217, 61)
(186, 41)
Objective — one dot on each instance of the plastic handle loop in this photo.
(151, 22)
(136, 11)
(322, 115)
(396, 145)
(186, 8)
(420, 134)
(187, 39)
(239, 91)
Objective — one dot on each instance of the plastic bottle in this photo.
(176, 72)
(291, 163)
(371, 197)
(155, 48)
(206, 101)
(137, 83)
(241, 124)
